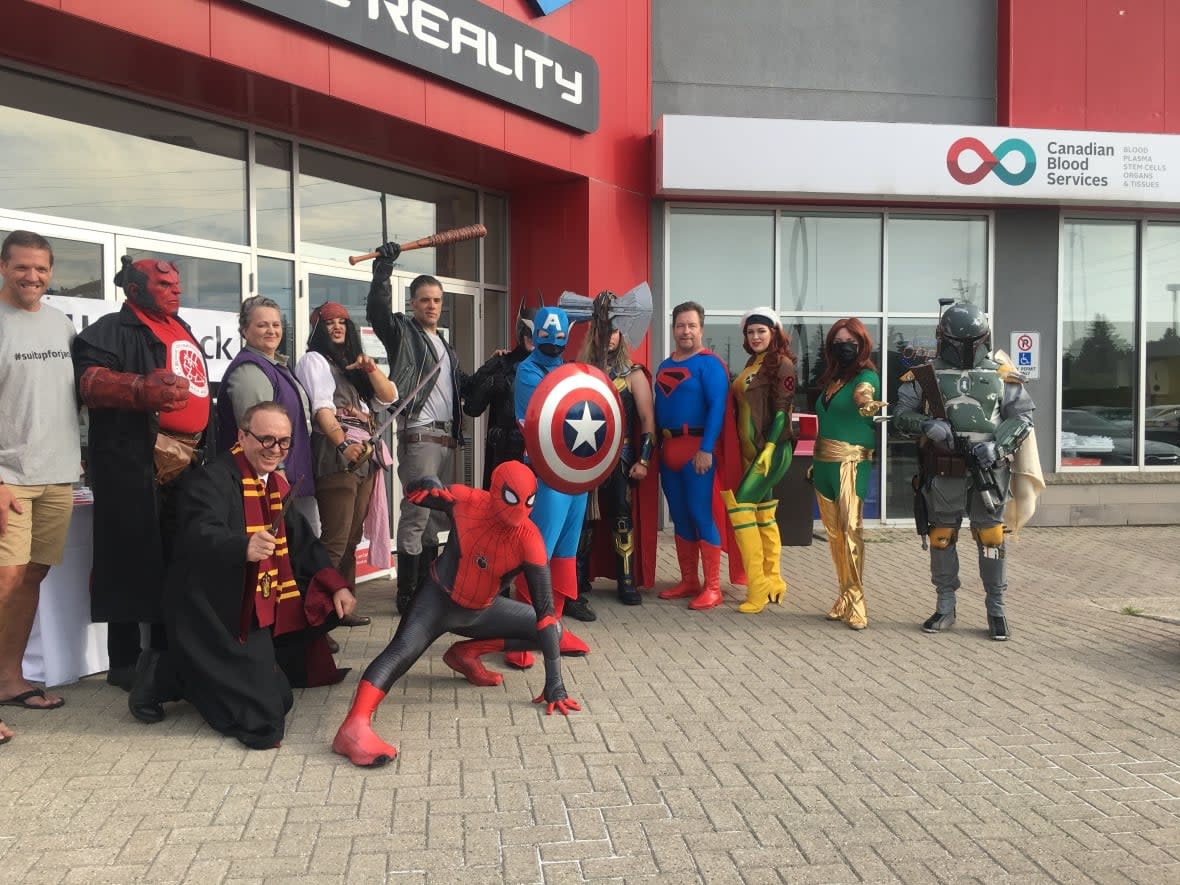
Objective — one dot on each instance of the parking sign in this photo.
(1026, 350)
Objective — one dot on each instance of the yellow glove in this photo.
(762, 462)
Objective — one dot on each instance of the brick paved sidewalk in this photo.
(713, 747)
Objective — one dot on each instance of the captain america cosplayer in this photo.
(696, 427)
(558, 515)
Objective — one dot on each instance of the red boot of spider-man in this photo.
(464, 659)
(356, 738)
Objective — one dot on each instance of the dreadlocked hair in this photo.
(343, 355)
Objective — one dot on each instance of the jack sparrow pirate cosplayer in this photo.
(491, 541)
(249, 597)
(144, 379)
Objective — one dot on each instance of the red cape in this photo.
(727, 458)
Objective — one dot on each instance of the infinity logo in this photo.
(990, 162)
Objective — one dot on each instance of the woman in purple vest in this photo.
(259, 373)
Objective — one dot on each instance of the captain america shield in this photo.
(573, 428)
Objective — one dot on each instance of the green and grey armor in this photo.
(989, 415)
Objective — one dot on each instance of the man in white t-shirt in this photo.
(39, 454)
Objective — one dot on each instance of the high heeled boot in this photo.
(464, 659)
(856, 615)
(710, 596)
(745, 522)
(356, 738)
(743, 518)
(772, 550)
(687, 553)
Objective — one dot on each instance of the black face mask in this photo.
(845, 352)
(551, 349)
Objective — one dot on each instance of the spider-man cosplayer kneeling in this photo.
(491, 541)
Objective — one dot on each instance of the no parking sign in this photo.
(1026, 351)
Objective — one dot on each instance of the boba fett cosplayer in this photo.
(970, 414)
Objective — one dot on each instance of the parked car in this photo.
(1114, 414)
(1162, 423)
(1087, 424)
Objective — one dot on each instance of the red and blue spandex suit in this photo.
(691, 397)
(492, 540)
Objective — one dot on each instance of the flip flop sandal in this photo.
(22, 700)
(4, 740)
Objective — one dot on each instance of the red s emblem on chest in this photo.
(667, 380)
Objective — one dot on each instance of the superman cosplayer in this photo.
(558, 515)
(491, 541)
(696, 427)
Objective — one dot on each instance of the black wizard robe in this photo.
(239, 680)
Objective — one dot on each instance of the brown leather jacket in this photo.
(767, 394)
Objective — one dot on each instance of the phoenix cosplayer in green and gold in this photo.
(843, 459)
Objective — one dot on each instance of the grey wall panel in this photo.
(803, 104)
(883, 60)
(1025, 280)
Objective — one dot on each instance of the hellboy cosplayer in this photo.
(491, 541)
(144, 379)
(249, 597)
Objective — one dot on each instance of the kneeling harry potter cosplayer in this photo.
(249, 594)
(491, 541)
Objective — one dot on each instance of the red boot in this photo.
(710, 597)
(464, 659)
(565, 576)
(356, 738)
(690, 584)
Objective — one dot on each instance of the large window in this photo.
(721, 259)
(81, 155)
(1120, 354)
(887, 268)
(831, 263)
(347, 206)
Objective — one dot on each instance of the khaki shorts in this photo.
(39, 534)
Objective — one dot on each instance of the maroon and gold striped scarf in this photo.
(271, 597)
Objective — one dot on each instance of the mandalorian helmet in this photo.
(964, 336)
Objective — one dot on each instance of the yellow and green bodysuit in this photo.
(763, 396)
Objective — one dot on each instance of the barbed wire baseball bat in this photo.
(442, 238)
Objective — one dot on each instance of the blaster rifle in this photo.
(983, 479)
